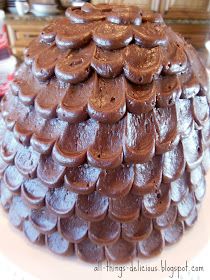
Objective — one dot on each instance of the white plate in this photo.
(44, 8)
(42, 14)
(19, 257)
(77, 3)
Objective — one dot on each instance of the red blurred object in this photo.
(7, 61)
(4, 87)
(4, 42)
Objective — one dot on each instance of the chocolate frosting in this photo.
(104, 135)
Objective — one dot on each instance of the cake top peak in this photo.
(117, 14)
(98, 38)
(101, 62)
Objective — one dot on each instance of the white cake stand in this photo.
(20, 260)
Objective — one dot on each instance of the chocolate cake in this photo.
(105, 135)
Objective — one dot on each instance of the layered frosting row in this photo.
(104, 136)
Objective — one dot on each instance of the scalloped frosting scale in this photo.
(105, 136)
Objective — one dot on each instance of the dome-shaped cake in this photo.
(105, 135)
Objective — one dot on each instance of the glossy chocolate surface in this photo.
(105, 136)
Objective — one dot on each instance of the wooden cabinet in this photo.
(182, 9)
(145, 4)
(197, 34)
(186, 9)
(22, 30)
